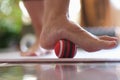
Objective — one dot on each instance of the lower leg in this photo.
(35, 9)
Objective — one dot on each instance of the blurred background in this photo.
(100, 17)
(10, 23)
(14, 24)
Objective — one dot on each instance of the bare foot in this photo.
(60, 27)
(35, 50)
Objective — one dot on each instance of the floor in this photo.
(94, 71)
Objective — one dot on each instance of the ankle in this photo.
(51, 18)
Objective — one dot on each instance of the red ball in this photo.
(65, 49)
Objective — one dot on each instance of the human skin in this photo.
(56, 25)
(35, 10)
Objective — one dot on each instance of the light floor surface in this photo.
(81, 54)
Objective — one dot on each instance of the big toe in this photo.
(108, 44)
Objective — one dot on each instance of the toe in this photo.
(108, 38)
(108, 44)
